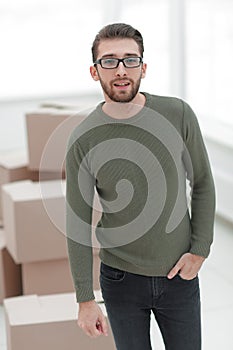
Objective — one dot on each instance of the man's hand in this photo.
(187, 266)
(91, 319)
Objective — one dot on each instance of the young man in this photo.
(137, 150)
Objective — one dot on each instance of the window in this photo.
(46, 46)
(209, 43)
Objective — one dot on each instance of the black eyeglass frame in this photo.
(99, 61)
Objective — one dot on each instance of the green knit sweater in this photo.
(140, 167)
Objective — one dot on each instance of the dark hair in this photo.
(115, 31)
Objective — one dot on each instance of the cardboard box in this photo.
(31, 235)
(36, 175)
(49, 323)
(13, 167)
(48, 130)
(47, 277)
(54, 276)
(10, 273)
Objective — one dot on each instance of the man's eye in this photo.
(131, 60)
(109, 61)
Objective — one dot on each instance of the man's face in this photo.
(119, 84)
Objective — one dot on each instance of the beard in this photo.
(121, 96)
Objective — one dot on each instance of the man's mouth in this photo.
(121, 85)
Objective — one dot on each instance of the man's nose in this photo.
(121, 70)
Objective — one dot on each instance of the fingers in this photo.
(92, 330)
(93, 322)
(103, 325)
(187, 266)
(175, 270)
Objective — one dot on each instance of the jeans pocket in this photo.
(111, 273)
(185, 280)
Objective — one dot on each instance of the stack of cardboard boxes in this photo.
(33, 252)
(33, 240)
(13, 167)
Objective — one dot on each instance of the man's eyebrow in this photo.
(125, 55)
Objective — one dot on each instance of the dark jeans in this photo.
(130, 298)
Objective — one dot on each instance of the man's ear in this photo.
(144, 68)
(94, 73)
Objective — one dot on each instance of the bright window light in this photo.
(209, 43)
(46, 46)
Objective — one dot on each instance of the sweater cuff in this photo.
(201, 249)
(84, 294)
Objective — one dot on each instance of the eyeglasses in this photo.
(111, 63)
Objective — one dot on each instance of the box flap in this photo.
(13, 159)
(35, 309)
(28, 190)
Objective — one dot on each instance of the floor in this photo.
(216, 280)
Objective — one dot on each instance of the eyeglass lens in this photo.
(129, 62)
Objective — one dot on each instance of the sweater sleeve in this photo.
(79, 199)
(202, 185)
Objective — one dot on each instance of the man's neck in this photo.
(121, 110)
